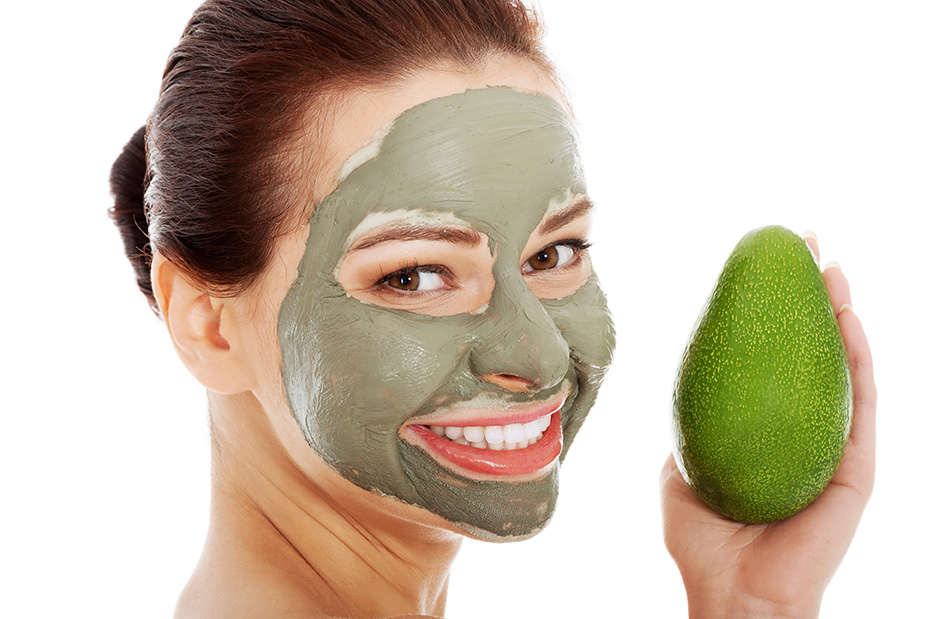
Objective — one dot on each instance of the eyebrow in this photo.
(460, 236)
(558, 220)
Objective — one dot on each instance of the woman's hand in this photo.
(779, 569)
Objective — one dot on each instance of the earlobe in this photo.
(197, 322)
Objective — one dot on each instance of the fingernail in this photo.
(832, 265)
(844, 308)
(809, 236)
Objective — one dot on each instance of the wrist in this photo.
(728, 604)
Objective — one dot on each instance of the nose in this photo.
(509, 382)
(520, 348)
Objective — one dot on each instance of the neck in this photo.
(294, 534)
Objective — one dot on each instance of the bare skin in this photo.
(780, 569)
(284, 543)
(288, 536)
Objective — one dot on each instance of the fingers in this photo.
(811, 239)
(838, 286)
(841, 504)
(673, 488)
(857, 470)
(864, 389)
(859, 356)
(681, 505)
(836, 282)
(669, 467)
(860, 454)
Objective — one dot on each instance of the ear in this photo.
(205, 336)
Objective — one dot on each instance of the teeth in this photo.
(494, 435)
(474, 434)
(496, 438)
(532, 428)
(514, 433)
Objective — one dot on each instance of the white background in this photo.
(701, 121)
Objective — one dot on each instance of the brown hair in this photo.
(224, 165)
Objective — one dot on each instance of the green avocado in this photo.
(763, 400)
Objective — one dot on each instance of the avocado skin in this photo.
(763, 400)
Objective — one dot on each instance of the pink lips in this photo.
(531, 459)
(486, 463)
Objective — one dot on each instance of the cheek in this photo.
(360, 371)
(355, 373)
(372, 378)
(587, 326)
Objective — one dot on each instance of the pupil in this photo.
(543, 260)
(405, 281)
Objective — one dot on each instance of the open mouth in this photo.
(497, 438)
(524, 449)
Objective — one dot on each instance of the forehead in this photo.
(493, 158)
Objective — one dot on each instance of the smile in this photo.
(523, 449)
(498, 438)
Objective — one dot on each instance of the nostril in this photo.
(509, 382)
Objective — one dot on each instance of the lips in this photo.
(489, 448)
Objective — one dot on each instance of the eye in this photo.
(416, 279)
(553, 256)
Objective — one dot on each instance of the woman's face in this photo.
(446, 290)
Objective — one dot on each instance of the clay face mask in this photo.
(453, 192)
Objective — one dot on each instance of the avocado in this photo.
(763, 400)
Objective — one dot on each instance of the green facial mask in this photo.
(492, 159)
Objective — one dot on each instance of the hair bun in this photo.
(127, 184)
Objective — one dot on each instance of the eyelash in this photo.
(409, 269)
(578, 244)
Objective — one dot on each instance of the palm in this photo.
(785, 564)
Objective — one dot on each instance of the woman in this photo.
(367, 225)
